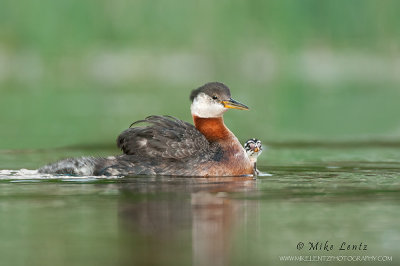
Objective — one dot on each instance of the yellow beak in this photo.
(231, 103)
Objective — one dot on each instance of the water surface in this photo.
(315, 194)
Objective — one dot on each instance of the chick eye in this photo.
(215, 97)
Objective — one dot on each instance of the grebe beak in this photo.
(256, 149)
(231, 103)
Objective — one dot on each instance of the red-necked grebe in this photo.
(253, 149)
(164, 145)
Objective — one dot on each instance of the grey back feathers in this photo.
(73, 166)
(157, 145)
(217, 89)
(163, 137)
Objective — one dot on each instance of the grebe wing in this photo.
(163, 136)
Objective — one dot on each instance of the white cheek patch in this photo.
(204, 106)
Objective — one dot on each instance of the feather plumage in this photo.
(164, 145)
(165, 137)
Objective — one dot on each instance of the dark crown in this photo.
(218, 89)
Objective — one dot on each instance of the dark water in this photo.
(312, 196)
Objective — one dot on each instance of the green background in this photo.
(77, 73)
(322, 81)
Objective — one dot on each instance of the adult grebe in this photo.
(169, 146)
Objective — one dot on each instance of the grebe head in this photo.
(253, 148)
(213, 100)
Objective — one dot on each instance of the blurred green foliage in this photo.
(79, 72)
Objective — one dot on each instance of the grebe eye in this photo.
(215, 97)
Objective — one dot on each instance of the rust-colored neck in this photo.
(213, 129)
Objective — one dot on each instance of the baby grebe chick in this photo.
(164, 145)
(253, 149)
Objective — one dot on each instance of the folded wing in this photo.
(162, 137)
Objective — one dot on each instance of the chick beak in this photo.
(256, 149)
(231, 103)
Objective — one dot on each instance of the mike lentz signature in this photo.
(326, 246)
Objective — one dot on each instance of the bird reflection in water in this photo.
(207, 217)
